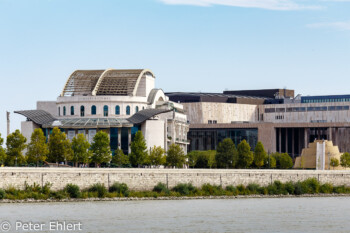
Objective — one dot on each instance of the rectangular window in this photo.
(210, 122)
(268, 110)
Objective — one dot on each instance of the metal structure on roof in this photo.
(104, 82)
(89, 123)
(39, 117)
(146, 114)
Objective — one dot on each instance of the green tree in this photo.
(37, 148)
(192, 158)
(245, 156)
(138, 147)
(100, 148)
(285, 161)
(81, 151)
(15, 144)
(2, 152)
(211, 154)
(157, 156)
(270, 161)
(259, 155)
(226, 154)
(175, 156)
(119, 158)
(345, 160)
(334, 162)
(59, 147)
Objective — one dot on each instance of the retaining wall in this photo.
(146, 179)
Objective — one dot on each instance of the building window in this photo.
(105, 110)
(210, 122)
(64, 110)
(215, 122)
(128, 110)
(143, 108)
(59, 111)
(117, 110)
(82, 111)
(136, 109)
(93, 110)
(72, 110)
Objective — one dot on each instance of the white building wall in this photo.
(202, 112)
(154, 133)
(48, 106)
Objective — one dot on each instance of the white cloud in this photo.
(264, 4)
(343, 26)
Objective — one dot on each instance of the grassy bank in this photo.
(120, 190)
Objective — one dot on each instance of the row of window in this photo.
(308, 109)
(212, 122)
(326, 100)
(93, 110)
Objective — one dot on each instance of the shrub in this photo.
(209, 189)
(242, 190)
(326, 188)
(73, 190)
(253, 188)
(161, 188)
(185, 189)
(32, 188)
(233, 189)
(312, 185)
(2, 194)
(289, 187)
(298, 188)
(46, 189)
(120, 188)
(99, 188)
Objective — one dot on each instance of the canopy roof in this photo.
(39, 117)
(104, 82)
(146, 114)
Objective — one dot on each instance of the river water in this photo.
(316, 214)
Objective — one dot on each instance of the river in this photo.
(315, 214)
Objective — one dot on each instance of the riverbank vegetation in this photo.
(72, 191)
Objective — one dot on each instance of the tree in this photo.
(101, 150)
(226, 154)
(37, 148)
(157, 156)
(345, 160)
(81, 151)
(120, 158)
(15, 144)
(175, 156)
(138, 150)
(245, 156)
(211, 157)
(59, 147)
(334, 162)
(270, 161)
(286, 161)
(259, 155)
(192, 158)
(2, 152)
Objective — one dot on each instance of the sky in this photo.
(190, 45)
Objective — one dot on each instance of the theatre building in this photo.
(119, 102)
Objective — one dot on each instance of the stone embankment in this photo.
(146, 179)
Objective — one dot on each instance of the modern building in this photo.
(119, 102)
(281, 121)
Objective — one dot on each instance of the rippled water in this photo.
(317, 214)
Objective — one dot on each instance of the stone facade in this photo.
(146, 179)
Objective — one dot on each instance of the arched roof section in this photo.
(119, 82)
(81, 82)
(155, 93)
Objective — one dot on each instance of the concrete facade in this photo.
(146, 179)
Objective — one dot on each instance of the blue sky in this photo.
(190, 45)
